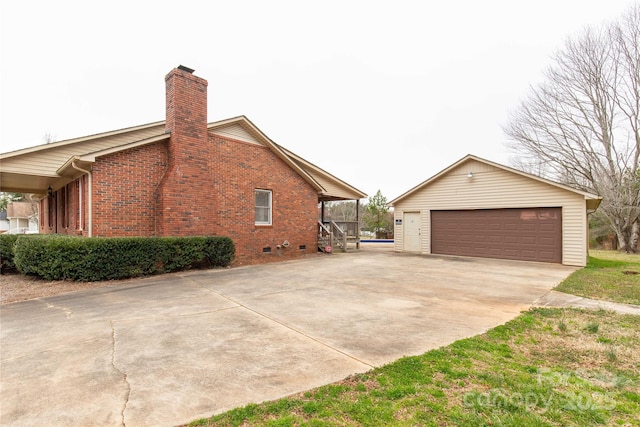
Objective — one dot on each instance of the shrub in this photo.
(220, 253)
(6, 251)
(92, 259)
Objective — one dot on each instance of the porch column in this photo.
(358, 224)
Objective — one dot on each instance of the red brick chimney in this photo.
(182, 203)
(186, 104)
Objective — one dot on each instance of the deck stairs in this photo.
(333, 235)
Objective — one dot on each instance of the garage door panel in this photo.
(547, 255)
(508, 254)
(547, 227)
(525, 234)
(547, 241)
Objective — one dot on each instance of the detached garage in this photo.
(483, 209)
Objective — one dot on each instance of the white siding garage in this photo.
(479, 208)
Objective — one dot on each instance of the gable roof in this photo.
(334, 188)
(34, 169)
(329, 187)
(259, 137)
(593, 200)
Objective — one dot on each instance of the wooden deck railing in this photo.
(338, 233)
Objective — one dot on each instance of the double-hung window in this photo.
(263, 207)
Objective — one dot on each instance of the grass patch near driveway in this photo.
(609, 275)
(551, 367)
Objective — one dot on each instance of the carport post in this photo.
(358, 224)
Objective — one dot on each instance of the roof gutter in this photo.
(89, 192)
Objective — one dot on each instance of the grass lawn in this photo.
(554, 367)
(609, 275)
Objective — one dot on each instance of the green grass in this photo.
(547, 367)
(609, 275)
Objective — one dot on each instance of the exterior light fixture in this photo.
(50, 191)
(470, 175)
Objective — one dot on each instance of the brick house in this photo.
(179, 177)
(22, 217)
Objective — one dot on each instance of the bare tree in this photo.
(342, 211)
(6, 198)
(581, 125)
(48, 138)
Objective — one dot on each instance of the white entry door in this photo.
(411, 236)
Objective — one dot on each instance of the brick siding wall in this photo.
(239, 169)
(124, 191)
(125, 204)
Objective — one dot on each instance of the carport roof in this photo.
(593, 200)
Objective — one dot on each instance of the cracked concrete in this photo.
(167, 350)
(124, 374)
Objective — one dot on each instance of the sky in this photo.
(382, 95)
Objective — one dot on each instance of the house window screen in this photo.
(263, 207)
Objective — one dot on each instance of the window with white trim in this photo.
(263, 207)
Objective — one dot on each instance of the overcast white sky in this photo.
(381, 94)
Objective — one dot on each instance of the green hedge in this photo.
(6, 251)
(92, 259)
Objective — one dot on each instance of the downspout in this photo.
(589, 213)
(89, 198)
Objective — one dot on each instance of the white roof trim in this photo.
(77, 140)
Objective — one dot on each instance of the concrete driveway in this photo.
(167, 350)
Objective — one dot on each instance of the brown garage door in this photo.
(523, 234)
